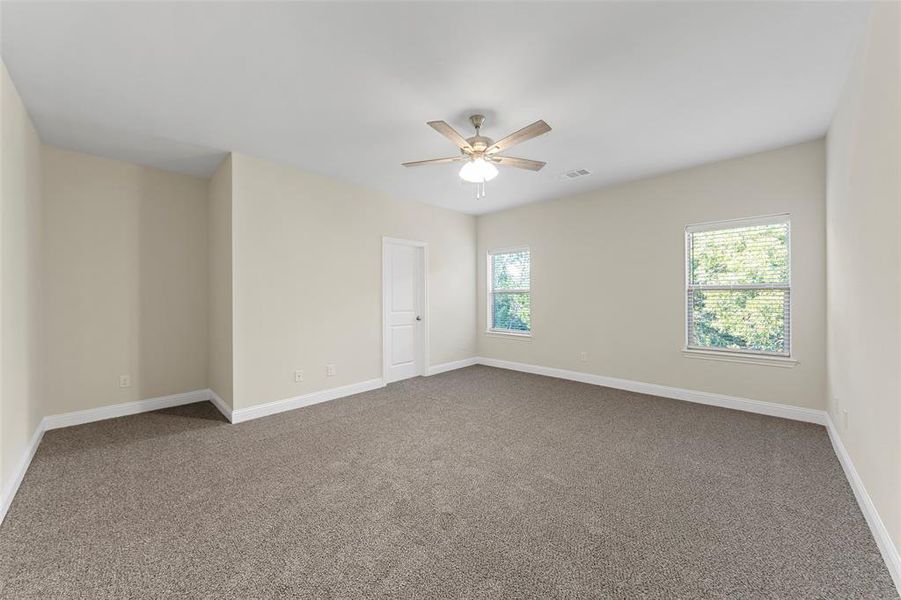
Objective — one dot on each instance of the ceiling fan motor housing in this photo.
(479, 142)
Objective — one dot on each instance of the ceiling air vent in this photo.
(575, 174)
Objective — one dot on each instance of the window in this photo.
(738, 286)
(509, 295)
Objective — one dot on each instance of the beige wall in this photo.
(126, 281)
(608, 275)
(864, 257)
(220, 281)
(307, 279)
(20, 280)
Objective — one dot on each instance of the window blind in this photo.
(738, 286)
(509, 297)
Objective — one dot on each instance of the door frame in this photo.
(424, 354)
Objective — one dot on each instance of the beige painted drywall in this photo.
(20, 280)
(608, 275)
(864, 265)
(307, 279)
(126, 281)
(220, 282)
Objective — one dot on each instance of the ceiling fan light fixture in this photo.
(480, 154)
(478, 170)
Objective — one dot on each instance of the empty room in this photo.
(450, 300)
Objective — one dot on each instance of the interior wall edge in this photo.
(12, 486)
(887, 548)
(221, 405)
(22, 296)
(864, 262)
(452, 366)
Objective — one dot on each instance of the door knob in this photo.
(418, 318)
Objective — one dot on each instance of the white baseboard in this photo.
(877, 526)
(219, 403)
(9, 491)
(889, 552)
(121, 410)
(451, 366)
(270, 408)
(772, 409)
(88, 416)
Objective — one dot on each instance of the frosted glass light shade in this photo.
(478, 171)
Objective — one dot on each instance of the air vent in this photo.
(575, 174)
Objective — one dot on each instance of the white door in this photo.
(403, 290)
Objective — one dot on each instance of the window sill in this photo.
(508, 334)
(737, 357)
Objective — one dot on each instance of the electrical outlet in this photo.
(584, 357)
(330, 370)
(298, 376)
(124, 381)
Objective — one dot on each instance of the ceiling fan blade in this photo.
(451, 134)
(434, 161)
(519, 163)
(526, 133)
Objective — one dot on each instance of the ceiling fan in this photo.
(481, 153)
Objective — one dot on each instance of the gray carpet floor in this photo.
(478, 483)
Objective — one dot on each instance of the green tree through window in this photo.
(739, 287)
(510, 296)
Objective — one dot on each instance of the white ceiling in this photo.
(341, 89)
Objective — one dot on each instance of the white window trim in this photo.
(734, 356)
(523, 335)
(741, 222)
(729, 354)
(509, 333)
